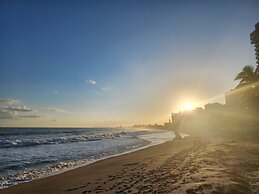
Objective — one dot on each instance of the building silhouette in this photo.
(246, 97)
(240, 113)
(254, 37)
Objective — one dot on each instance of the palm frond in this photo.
(249, 71)
(241, 75)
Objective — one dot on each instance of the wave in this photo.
(39, 131)
(30, 165)
(25, 142)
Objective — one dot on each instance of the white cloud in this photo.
(97, 85)
(55, 92)
(17, 108)
(13, 109)
(57, 110)
(91, 82)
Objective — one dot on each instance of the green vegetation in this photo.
(247, 76)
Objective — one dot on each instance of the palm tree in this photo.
(247, 76)
(249, 82)
(257, 70)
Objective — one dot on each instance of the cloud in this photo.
(13, 109)
(17, 108)
(91, 82)
(58, 110)
(9, 101)
(97, 85)
(29, 116)
(55, 92)
(7, 114)
(105, 88)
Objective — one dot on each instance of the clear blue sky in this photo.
(109, 63)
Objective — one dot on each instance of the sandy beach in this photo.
(183, 166)
(138, 97)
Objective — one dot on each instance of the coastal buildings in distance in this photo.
(240, 112)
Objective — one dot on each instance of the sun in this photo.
(187, 104)
(188, 107)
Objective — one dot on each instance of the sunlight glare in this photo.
(188, 107)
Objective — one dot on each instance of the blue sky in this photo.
(110, 63)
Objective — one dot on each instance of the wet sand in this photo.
(183, 166)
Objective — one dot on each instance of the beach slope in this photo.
(182, 166)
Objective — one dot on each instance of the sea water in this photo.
(32, 153)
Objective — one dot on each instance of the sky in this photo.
(111, 63)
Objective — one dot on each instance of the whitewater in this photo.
(31, 153)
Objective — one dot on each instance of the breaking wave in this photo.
(25, 142)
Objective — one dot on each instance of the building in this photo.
(168, 125)
(243, 98)
(254, 37)
(213, 107)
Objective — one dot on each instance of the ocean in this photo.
(32, 153)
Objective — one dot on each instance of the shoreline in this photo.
(12, 188)
(83, 162)
(181, 166)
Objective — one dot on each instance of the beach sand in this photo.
(183, 166)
